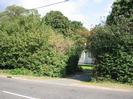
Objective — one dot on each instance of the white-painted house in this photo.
(86, 58)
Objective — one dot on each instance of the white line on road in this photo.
(15, 94)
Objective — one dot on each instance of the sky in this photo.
(89, 12)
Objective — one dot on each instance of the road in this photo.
(11, 88)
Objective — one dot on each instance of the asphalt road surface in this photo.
(11, 88)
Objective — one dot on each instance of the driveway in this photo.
(11, 88)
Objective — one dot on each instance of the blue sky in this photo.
(89, 12)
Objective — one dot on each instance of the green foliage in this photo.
(112, 44)
(62, 25)
(72, 63)
(29, 43)
(57, 21)
(121, 9)
(14, 11)
(73, 30)
(112, 48)
(31, 50)
(118, 67)
(76, 25)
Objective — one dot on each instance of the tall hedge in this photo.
(28, 42)
(112, 46)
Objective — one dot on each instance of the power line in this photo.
(49, 4)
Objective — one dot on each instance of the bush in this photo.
(118, 67)
(26, 42)
(112, 48)
(31, 51)
(41, 52)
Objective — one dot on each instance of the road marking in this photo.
(15, 94)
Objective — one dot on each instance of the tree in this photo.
(57, 21)
(63, 25)
(19, 19)
(111, 44)
(13, 12)
(76, 25)
(121, 9)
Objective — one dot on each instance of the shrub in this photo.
(41, 52)
(118, 67)
(112, 48)
(26, 42)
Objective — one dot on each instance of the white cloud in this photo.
(71, 9)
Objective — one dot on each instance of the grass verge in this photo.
(104, 83)
(109, 84)
(24, 75)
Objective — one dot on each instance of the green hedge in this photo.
(112, 47)
(33, 51)
(118, 67)
(27, 43)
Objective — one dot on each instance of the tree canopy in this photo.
(57, 21)
(121, 9)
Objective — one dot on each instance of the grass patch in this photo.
(17, 71)
(87, 67)
(5, 72)
(110, 84)
(22, 73)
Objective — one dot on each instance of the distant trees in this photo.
(63, 25)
